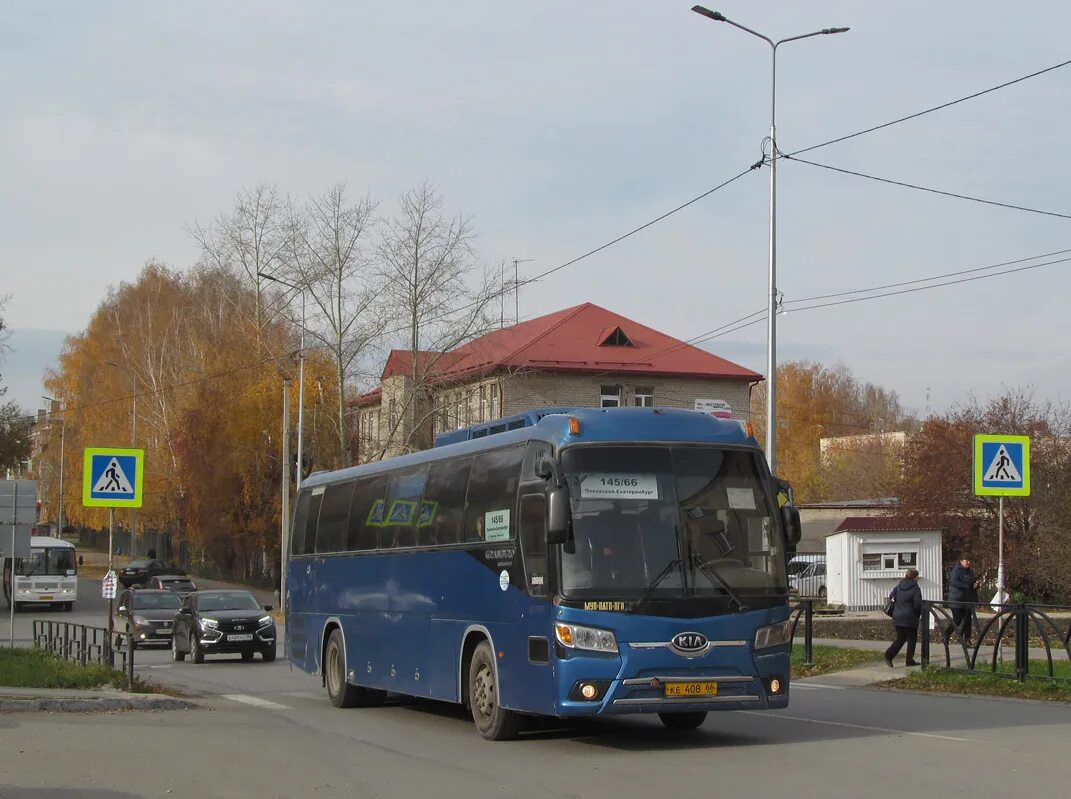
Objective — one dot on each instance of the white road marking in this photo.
(256, 701)
(796, 685)
(885, 730)
(160, 666)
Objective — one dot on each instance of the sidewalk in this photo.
(81, 701)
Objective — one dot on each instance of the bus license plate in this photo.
(240, 637)
(45, 597)
(691, 689)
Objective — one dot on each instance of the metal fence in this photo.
(84, 644)
(983, 633)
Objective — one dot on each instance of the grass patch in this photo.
(988, 684)
(35, 668)
(830, 658)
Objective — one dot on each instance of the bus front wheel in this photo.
(493, 721)
(339, 691)
(683, 721)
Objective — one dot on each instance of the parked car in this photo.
(139, 572)
(810, 581)
(220, 622)
(147, 615)
(172, 582)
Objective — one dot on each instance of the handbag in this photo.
(890, 603)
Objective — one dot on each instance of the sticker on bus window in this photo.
(402, 512)
(496, 525)
(741, 498)
(606, 485)
(427, 513)
(375, 515)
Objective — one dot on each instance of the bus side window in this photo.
(334, 518)
(367, 513)
(301, 520)
(492, 498)
(533, 535)
(403, 508)
(308, 541)
(442, 509)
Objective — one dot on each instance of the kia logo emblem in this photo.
(690, 642)
(239, 627)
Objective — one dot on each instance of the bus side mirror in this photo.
(558, 515)
(790, 516)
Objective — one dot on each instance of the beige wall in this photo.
(526, 390)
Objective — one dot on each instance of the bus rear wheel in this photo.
(339, 691)
(493, 721)
(683, 721)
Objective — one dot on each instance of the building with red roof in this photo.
(579, 356)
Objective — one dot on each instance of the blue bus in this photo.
(514, 422)
(608, 561)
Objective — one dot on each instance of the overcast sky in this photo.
(558, 126)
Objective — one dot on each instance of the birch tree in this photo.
(428, 265)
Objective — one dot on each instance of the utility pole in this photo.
(63, 431)
(517, 288)
(284, 538)
(133, 445)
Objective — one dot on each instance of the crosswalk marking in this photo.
(255, 701)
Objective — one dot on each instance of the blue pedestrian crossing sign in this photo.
(1001, 466)
(113, 478)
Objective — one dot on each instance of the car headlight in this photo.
(265, 621)
(141, 621)
(773, 635)
(591, 638)
(208, 624)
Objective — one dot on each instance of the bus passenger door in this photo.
(533, 669)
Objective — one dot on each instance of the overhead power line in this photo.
(925, 188)
(918, 114)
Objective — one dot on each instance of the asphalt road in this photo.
(269, 732)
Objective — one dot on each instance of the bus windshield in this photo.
(667, 522)
(52, 561)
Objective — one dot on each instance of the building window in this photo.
(483, 405)
(644, 397)
(871, 563)
(496, 399)
(908, 560)
(459, 410)
(393, 413)
(889, 561)
(610, 396)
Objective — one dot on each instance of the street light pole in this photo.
(63, 431)
(301, 377)
(771, 334)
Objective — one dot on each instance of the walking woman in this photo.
(906, 612)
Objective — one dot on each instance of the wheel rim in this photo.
(334, 668)
(483, 691)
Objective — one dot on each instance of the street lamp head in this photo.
(835, 30)
(706, 12)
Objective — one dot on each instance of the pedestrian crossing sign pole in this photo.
(1001, 469)
(112, 478)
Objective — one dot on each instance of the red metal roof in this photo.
(571, 341)
(869, 524)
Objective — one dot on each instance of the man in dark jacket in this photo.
(907, 609)
(962, 588)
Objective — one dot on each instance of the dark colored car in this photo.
(147, 615)
(139, 572)
(221, 622)
(172, 582)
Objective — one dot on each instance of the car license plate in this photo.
(691, 689)
(45, 597)
(240, 637)
(165, 631)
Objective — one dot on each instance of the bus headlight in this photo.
(593, 639)
(773, 635)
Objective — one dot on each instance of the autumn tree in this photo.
(14, 424)
(433, 287)
(937, 490)
(816, 402)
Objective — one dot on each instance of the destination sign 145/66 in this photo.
(606, 485)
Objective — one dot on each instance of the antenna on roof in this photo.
(517, 288)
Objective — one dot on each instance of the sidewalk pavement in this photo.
(81, 701)
(937, 651)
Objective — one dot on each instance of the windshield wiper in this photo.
(708, 569)
(662, 575)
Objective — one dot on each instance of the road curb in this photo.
(91, 704)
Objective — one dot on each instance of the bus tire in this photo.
(68, 606)
(493, 722)
(683, 721)
(339, 691)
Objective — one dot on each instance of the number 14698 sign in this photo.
(618, 486)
